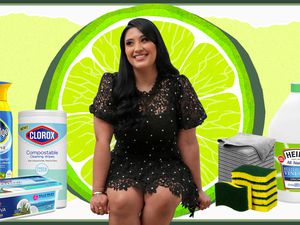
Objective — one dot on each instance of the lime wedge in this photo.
(203, 52)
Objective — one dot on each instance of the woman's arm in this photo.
(189, 149)
(103, 134)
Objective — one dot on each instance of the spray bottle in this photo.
(6, 150)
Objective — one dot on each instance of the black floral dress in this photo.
(148, 157)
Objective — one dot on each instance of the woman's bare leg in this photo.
(125, 206)
(159, 207)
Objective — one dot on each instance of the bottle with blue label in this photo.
(6, 139)
(285, 128)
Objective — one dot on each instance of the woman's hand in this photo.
(99, 204)
(204, 200)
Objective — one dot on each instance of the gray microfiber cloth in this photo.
(262, 145)
(225, 159)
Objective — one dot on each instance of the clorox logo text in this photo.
(42, 135)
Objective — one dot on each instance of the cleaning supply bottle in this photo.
(285, 128)
(42, 147)
(6, 150)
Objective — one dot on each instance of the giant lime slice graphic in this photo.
(201, 51)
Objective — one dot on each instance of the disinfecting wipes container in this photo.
(25, 196)
(42, 147)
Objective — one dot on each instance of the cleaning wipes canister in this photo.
(6, 139)
(285, 128)
(42, 147)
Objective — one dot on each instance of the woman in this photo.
(153, 112)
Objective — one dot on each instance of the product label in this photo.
(42, 135)
(288, 166)
(4, 131)
(5, 138)
(42, 151)
(42, 147)
(5, 145)
(27, 204)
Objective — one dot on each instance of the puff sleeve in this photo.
(190, 112)
(102, 106)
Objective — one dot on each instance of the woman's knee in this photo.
(125, 202)
(162, 202)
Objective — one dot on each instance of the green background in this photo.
(29, 43)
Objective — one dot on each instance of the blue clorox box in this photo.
(26, 196)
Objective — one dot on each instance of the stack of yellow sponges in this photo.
(252, 187)
(261, 181)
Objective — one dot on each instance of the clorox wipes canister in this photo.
(285, 128)
(6, 139)
(42, 147)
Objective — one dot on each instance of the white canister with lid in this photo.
(42, 147)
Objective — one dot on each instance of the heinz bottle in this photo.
(285, 128)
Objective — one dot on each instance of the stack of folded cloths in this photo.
(262, 183)
(244, 149)
(252, 187)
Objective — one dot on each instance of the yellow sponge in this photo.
(264, 194)
(254, 173)
(264, 208)
(255, 185)
(265, 201)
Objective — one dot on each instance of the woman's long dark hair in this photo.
(125, 96)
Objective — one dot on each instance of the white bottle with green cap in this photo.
(285, 128)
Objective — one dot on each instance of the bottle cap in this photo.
(3, 90)
(295, 87)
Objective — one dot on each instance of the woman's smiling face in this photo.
(140, 51)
